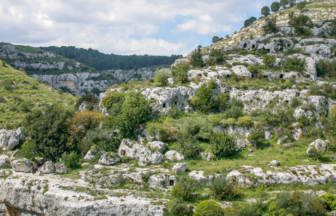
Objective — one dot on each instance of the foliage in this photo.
(189, 148)
(207, 208)
(257, 138)
(175, 112)
(275, 6)
(102, 139)
(265, 11)
(91, 98)
(101, 61)
(216, 57)
(176, 207)
(329, 201)
(249, 21)
(2, 99)
(233, 108)
(184, 187)
(222, 145)
(291, 2)
(161, 78)
(253, 69)
(294, 64)
(215, 39)
(196, 59)
(3, 63)
(180, 73)
(295, 103)
(301, 5)
(269, 61)
(134, 111)
(7, 85)
(164, 132)
(284, 3)
(49, 131)
(326, 68)
(204, 99)
(223, 188)
(270, 26)
(245, 121)
(29, 150)
(299, 22)
(71, 160)
(113, 102)
(198, 128)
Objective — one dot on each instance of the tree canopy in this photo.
(275, 6)
(215, 39)
(265, 11)
(283, 3)
(249, 21)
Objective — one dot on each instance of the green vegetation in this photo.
(208, 207)
(222, 145)
(265, 11)
(249, 21)
(270, 26)
(275, 7)
(196, 59)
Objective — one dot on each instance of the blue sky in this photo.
(155, 27)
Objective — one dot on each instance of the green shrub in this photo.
(2, 99)
(228, 122)
(254, 69)
(29, 150)
(223, 188)
(204, 99)
(91, 98)
(295, 103)
(71, 160)
(222, 145)
(176, 207)
(214, 119)
(113, 102)
(180, 73)
(329, 201)
(161, 78)
(3, 63)
(196, 59)
(245, 121)
(189, 148)
(299, 22)
(25, 107)
(102, 139)
(184, 187)
(198, 128)
(124, 86)
(270, 26)
(294, 64)
(7, 85)
(209, 207)
(175, 112)
(326, 68)
(269, 61)
(215, 57)
(257, 138)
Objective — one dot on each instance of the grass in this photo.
(30, 91)
(29, 49)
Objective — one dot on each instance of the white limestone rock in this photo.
(10, 139)
(282, 139)
(268, 135)
(104, 112)
(3, 160)
(319, 145)
(83, 106)
(320, 103)
(179, 167)
(208, 156)
(181, 61)
(299, 111)
(174, 155)
(157, 146)
(91, 154)
(240, 144)
(159, 180)
(109, 159)
(274, 163)
(157, 157)
(48, 167)
(21, 165)
(240, 70)
(199, 176)
(61, 168)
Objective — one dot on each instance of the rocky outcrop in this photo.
(21, 165)
(174, 155)
(92, 154)
(157, 146)
(9, 139)
(158, 181)
(179, 167)
(109, 158)
(319, 145)
(199, 176)
(48, 167)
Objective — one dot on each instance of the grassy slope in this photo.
(29, 90)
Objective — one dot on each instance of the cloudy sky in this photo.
(156, 27)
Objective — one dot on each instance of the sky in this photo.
(124, 27)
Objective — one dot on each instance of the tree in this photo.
(207, 208)
(180, 73)
(270, 26)
(222, 145)
(283, 3)
(184, 187)
(275, 7)
(215, 39)
(227, 36)
(161, 78)
(249, 21)
(196, 59)
(49, 131)
(301, 5)
(269, 60)
(223, 188)
(134, 111)
(3, 63)
(265, 11)
(203, 100)
(292, 2)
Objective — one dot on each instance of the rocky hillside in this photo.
(246, 129)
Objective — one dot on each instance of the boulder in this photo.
(240, 144)
(268, 135)
(180, 167)
(170, 81)
(309, 151)
(157, 146)
(206, 195)
(104, 112)
(9, 139)
(317, 31)
(274, 163)
(332, 157)
(319, 145)
(157, 158)
(282, 139)
(109, 158)
(61, 168)
(301, 112)
(240, 70)
(159, 180)
(91, 154)
(199, 176)
(174, 155)
(21, 165)
(287, 30)
(207, 156)
(3, 160)
(48, 167)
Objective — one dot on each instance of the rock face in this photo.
(91, 154)
(157, 146)
(21, 165)
(208, 156)
(61, 169)
(199, 176)
(53, 200)
(109, 158)
(48, 167)
(173, 155)
(319, 145)
(180, 167)
(134, 150)
(9, 139)
(159, 180)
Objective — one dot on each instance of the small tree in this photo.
(269, 60)
(185, 186)
(180, 73)
(215, 39)
(3, 63)
(209, 207)
(265, 11)
(71, 160)
(292, 2)
(196, 59)
(283, 3)
(275, 7)
(249, 22)
(301, 5)
(161, 78)
(223, 188)
(222, 145)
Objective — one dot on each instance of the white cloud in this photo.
(119, 26)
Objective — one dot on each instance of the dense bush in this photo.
(164, 132)
(249, 22)
(326, 68)
(207, 208)
(29, 150)
(198, 128)
(329, 201)
(215, 57)
(269, 61)
(222, 145)
(184, 187)
(189, 148)
(161, 78)
(233, 108)
(204, 99)
(270, 26)
(113, 102)
(7, 84)
(295, 103)
(91, 98)
(100, 138)
(180, 73)
(294, 64)
(134, 112)
(175, 112)
(71, 160)
(176, 207)
(223, 188)
(299, 22)
(196, 59)
(245, 121)
(257, 138)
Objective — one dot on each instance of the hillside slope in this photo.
(21, 94)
